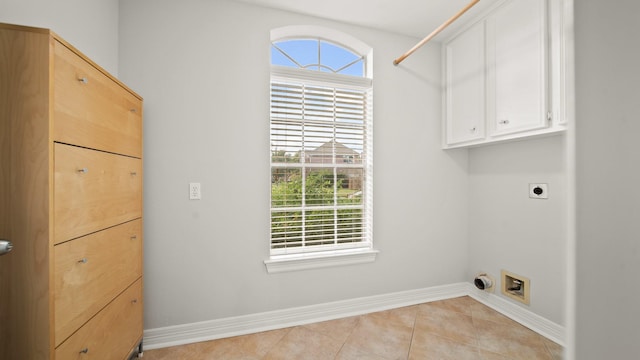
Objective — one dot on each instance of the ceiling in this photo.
(417, 18)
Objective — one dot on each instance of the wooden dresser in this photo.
(70, 202)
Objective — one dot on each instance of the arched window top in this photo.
(320, 49)
(318, 55)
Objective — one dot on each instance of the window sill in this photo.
(285, 263)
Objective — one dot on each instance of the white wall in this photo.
(508, 230)
(91, 26)
(608, 179)
(203, 69)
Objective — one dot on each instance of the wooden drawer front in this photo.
(98, 113)
(111, 334)
(91, 271)
(94, 190)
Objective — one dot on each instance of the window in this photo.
(318, 55)
(321, 150)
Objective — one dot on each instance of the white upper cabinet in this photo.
(465, 97)
(517, 67)
(498, 75)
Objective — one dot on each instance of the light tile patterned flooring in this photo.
(456, 329)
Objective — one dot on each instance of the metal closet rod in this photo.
(435, 32)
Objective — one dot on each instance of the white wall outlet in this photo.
(538, 191)
(194, 191)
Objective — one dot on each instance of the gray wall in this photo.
(91, 26)
(608, 179)
(203, 69)
(510, 231)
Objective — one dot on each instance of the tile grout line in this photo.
(347, 338)
(475, 332)
(413, 332)
(276, 343)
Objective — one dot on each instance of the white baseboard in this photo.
(247, 324)
(537, 323)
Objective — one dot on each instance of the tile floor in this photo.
(457, 329)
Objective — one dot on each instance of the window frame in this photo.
(363, 252)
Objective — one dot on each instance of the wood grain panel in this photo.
(108, 193)
(107, 196)
(91, 271)
(112, 333)
(98, 113)
(25, 200)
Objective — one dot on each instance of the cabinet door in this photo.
(517, 71)
(91, 271)
(91, 109)
(93, 190)
(465, 86)
(112, 334)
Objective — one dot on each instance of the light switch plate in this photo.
(538, 191)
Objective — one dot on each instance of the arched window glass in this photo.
(319, 55)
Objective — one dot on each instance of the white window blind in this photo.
(320, 166)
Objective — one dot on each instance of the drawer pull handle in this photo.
(134, 237)
(134, 173)
(134, 301)
(84, 351)
(83, 80)
(83, 261)
(503, 122)
(134, 110)
(473, 129)
(83, 170)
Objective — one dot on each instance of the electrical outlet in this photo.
(194, 191)
(538, 191)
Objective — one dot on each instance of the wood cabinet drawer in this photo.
(91, 109)
(94, 190)
(111, 334)
(91, 271)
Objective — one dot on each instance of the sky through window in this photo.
(317, 55)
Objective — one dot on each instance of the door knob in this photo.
(5, 246)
